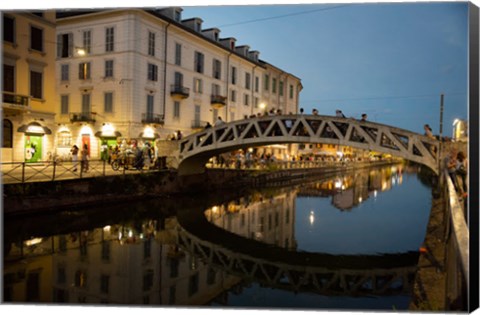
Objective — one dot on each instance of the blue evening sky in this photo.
(391, 60)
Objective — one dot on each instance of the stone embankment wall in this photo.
(73, 194)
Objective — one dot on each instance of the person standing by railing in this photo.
(74, 152)
(85, 158)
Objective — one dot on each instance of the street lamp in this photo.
(80, 51)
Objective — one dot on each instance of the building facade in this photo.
(28, 91)
(141, 75)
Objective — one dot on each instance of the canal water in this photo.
(349, 241)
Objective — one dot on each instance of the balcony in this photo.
(15, 101)
(179, 92)
(82, 117)
(218, 101)
(151, 118)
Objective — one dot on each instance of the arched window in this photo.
(7, 140)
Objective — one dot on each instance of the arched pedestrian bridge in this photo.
(196, 149)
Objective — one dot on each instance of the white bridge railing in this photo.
(196, 149)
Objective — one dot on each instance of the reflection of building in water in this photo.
(352, 191)
(270, 220)
(129, 264)
(349, 190)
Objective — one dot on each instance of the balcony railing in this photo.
(218, 101)
(82, 117)
(16, 100)
(150, 118)
(179, 91)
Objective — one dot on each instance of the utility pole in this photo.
(441, 116)
(440, 137)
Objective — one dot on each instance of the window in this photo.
(178, 16)
(174, 264)
(86, 103)
(274, 85)
(197, 115)
(151, 43)
(87, 41)
(33, 287)
(150, 99)
(266, 83)
(197, 85)
(152, 72)
(64, 100)
(211, 276)
(36, 84)
(291, 91)
(108, 102)
(108, 68)
(65, 72)
(256, 102)
(36, 38)
(280, 88)
(106, 251)
(104, 283)
(7, 139)
(176, 110)
(61, 275)
(147, 280)
(215, 89)
(172, 295)
(8, 78)
(109, 39)
(257, 84)
(199, 60)
(217, 69)
(147, 248)
(178, 54)
(64, 139)
(247, 81)
(246, 99)
(233, 95)
(80, 279)
(193, 284)
(178, 79)
(84, 71)
(64, 45)
(234, 75)
(8, 29)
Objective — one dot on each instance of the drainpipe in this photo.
(228, 85)
(253, 88)
(165, 73)
(278, 93)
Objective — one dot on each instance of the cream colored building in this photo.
(28, 77)
(138, 74)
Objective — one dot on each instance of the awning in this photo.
(34, 128)
(101, 134)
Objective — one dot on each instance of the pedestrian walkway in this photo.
(21, 172)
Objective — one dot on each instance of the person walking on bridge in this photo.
(219, 121)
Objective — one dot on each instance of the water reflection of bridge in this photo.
(327, 274)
